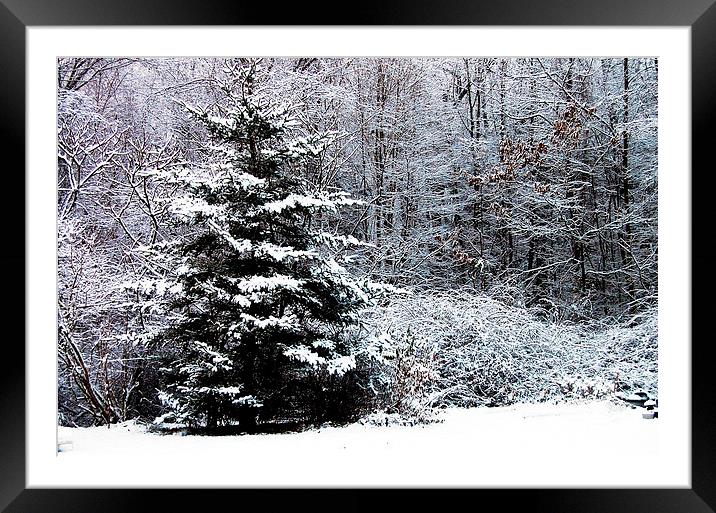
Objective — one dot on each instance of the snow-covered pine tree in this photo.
(257, 294)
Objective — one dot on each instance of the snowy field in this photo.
(528, 444)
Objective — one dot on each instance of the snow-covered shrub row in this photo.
(461, 349)
(414, 418)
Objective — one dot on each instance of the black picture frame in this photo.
(17, 15)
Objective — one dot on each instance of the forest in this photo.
(258, 244)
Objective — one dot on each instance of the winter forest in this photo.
(276, 244)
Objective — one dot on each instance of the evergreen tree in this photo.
(259, 297)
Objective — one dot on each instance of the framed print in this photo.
(446, 254)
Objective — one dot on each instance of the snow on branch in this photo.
(268, 283)
(338, 365)
(326, 200)
(286, 322)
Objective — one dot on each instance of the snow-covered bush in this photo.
(460, 349)
(407, 374)
(382, 418)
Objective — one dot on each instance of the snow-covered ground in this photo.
(528, 444)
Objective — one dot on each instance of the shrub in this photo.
(459, 349)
